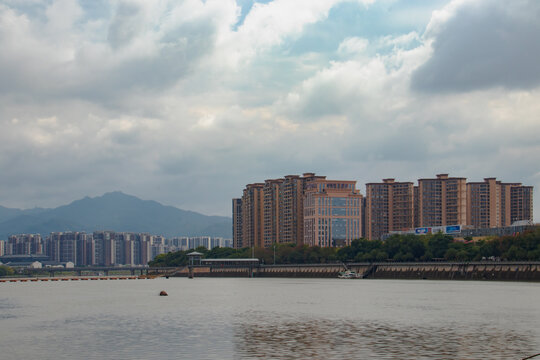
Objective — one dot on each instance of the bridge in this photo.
(94, 270)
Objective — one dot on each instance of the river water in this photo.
(241, 318)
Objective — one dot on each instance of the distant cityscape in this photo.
(308, 210)
(314, 211)
(101, 248)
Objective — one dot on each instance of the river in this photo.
(241, 318)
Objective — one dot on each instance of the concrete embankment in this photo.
(510, 271)
(460, 271)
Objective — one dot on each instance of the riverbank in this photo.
(501, 271)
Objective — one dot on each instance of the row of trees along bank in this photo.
(6, 270)
(521, 247)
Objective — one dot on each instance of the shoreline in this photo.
(499, 271)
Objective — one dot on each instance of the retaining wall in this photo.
(511, 271)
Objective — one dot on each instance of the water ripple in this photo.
(271, 337)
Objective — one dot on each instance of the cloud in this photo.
(480, 45)
(353, 45)
(185, 102)
(137, 47)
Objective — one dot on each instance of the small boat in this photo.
(349, 275)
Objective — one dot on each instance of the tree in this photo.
(6, 270)
(451, 254)
(438, 244)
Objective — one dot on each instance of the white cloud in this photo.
(270, 24)
(353, 45)
(168, 100)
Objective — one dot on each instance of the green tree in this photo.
(451, 254)
(6, 270)
(438, 244)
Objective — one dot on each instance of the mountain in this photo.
(113, 211)
(8, 213)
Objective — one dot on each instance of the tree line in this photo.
(421, 248)
(6, 270)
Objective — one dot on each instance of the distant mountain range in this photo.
(114, 211)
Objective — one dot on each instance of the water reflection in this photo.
(266, 318)
(6, 309)
(268, 336)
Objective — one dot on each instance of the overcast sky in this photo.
(185, 102)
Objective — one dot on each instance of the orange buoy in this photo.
(163, 293)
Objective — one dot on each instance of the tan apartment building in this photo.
(284, 209)
(492, 203)
(442, 201)
(292, 195)
(272, 211)
(292, 207)
(389, 207)
(484, 203)
(237, 223)
(416, 206)
(332, 213)
(312, 210)
(521, 203)
(253, 215)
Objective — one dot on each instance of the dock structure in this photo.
(493, 270)
(511, 271)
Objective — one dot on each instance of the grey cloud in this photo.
(125, 25)
(484, 45)
(96, 73)
(174, 61)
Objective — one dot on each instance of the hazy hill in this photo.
(113, 211)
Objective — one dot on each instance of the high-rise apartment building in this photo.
(253, 215)
(292, 198)
(442, 201)
(484, 203)
(236, 225)
(25, 244)
(272, 211)
(85, 249)
(292, 195)
(521, 203)
(416, 206)
(310, 209)
(389, 207)
(492, 203)
(104, 246)
(332, 213)
(70, 247)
